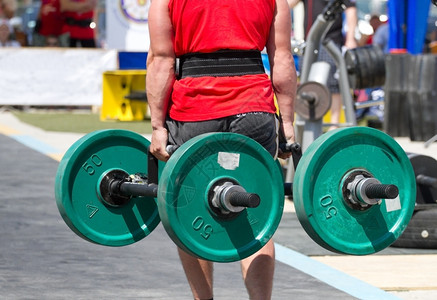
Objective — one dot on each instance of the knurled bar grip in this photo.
(381, 191)
(244, 199)
(135, 189)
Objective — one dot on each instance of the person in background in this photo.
(6, 32)
(80, 22)
(312, 9)
(367, 39)
(239, 100)
(381, 36)
(7, 9)
(49, 26)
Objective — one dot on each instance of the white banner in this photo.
(57, 76)
(126, 25)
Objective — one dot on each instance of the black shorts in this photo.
(260, 126)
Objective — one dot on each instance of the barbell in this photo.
(220, 196)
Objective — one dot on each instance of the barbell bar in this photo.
(220, 196)
(117, 187)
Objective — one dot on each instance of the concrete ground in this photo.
(40, 258)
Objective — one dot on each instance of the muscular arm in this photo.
(283, 72)
(160, 73)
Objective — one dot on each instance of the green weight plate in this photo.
(183, 196)
(77, 188)
(318, 198)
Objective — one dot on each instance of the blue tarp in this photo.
(408, 23)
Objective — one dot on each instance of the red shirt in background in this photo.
(79, 32)
(51, 18)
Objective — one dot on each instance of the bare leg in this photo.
(199, 275)
(335, 110)
(258, 271)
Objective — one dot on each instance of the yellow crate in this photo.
(327, 117)
(118, 87)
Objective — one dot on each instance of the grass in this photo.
(78, 122)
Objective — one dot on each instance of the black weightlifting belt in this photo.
(219, 64)
(79, 23)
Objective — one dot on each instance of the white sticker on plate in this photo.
(228, 161)
(393, 204)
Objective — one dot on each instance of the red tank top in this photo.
(51, 18)
(238, 25)
(79, 32)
